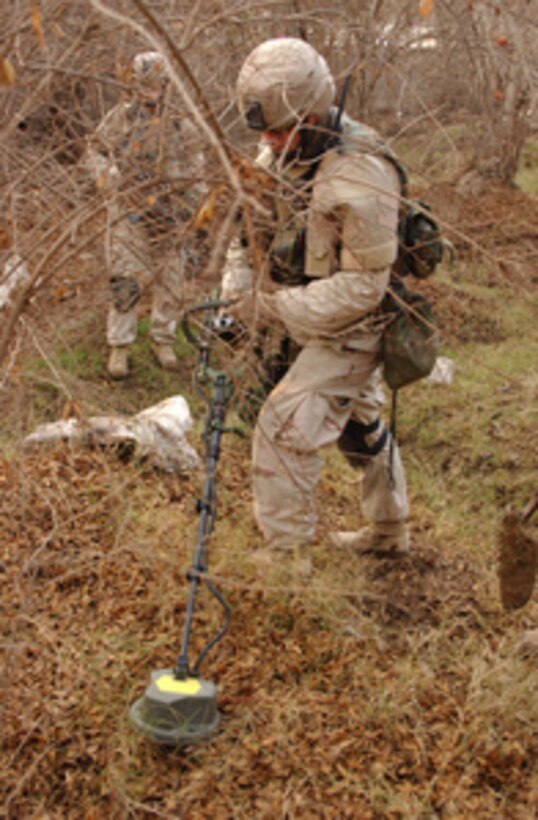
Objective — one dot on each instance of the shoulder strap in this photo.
(356, 137)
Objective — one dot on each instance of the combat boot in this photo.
(384, 538)
(165, 356)
(118, 362)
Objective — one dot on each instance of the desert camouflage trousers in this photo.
(326, 386)
(136, 262)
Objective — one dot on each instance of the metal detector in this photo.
(179, 707)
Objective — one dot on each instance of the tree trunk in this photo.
(505, 86)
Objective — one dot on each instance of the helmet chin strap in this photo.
(317, 138)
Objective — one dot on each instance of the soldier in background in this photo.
(143, 159)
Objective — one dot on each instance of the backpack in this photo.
(421, 245)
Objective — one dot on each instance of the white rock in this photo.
(443, 371)
(13, 277)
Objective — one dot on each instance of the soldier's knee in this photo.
(125, 292)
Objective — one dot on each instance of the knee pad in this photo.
(125, 292)
(360, 442)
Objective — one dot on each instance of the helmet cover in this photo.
(150, 71)
(282, 81)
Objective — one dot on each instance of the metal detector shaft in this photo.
(207, 504)
(207, 510)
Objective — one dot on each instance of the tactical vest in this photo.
(150, 144)
(302, 250)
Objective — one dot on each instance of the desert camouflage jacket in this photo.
(146, 157)
(350, 220)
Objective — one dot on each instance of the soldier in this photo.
(141, 159)
(337, 228)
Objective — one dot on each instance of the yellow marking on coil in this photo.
(166, 683)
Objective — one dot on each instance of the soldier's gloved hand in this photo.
(109, 180)
(125, 292)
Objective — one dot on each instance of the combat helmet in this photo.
(281, 82)
(150, 74)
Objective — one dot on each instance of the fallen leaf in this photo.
(425, 7)
(7, 72)
(60, 293)
(37, 24)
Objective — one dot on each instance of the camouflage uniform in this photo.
(145, 163)
(332, 392)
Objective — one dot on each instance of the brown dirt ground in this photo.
(90, 614)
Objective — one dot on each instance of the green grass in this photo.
(470, 443)
(527, 175)
(81, 363)
(441, 153)
(435, 153)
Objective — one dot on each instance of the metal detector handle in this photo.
(194, 339)
(203, 370)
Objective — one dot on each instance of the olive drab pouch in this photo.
(410, 340)
(420, 244)
(288, 258)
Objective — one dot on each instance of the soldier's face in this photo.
(149, 93)
(282, 141)
(288, 141)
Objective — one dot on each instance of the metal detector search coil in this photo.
(175, 712)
